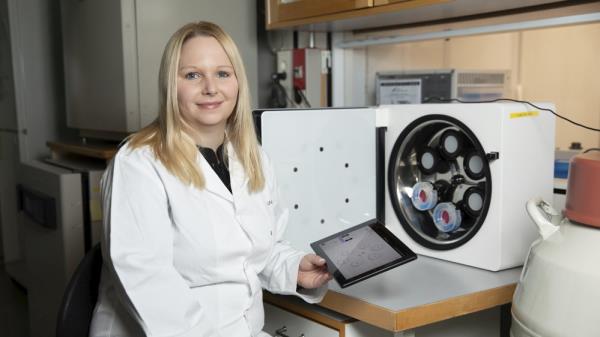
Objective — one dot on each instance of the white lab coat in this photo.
(180, 261)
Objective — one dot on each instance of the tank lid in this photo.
(583, 189)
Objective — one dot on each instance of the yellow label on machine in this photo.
(524, 114)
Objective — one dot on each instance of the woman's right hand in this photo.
(312, 272)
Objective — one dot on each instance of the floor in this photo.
(13, 307)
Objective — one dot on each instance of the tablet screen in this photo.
(361, 252)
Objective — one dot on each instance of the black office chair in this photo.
(81, 294)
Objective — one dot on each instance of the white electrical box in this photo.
(306, 76)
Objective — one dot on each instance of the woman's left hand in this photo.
(312, 272)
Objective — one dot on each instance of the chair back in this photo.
(81, 294)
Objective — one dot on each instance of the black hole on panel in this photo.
(296, 206)
(321, 149)
(346, 165)
(322, 220)
(295, 169)
(347, 200)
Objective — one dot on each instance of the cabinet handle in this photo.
(280, 332)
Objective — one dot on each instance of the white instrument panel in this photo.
(324, 161)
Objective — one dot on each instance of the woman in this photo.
(191, 216)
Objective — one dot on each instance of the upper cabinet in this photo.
(340, 15)
(289, 10)
(386, 2)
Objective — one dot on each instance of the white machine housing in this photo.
(524, 138)
(325, 166)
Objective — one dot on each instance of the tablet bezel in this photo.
(406, 254)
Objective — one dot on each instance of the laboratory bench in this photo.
(399, 301)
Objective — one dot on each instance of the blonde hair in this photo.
(166, 135)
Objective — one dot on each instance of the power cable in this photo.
(304, 99)
(439, 99)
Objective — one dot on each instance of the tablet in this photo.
(361, 252)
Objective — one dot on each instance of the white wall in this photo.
(561, 65)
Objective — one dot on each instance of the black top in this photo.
(218, 161)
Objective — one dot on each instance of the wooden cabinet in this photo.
(290, 13)
(288, 10)
(343, 15)
(386, 2)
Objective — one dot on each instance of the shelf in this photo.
(103, 151)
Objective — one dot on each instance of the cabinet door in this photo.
(280, 322)
(386, 2)
(286, 10)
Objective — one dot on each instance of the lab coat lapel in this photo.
(238, 176)
(213, 182)
(250, 214)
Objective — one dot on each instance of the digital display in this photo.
(362, 251)
(359, 251)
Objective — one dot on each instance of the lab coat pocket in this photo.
(254, 315)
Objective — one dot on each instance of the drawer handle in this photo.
(280, 332)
